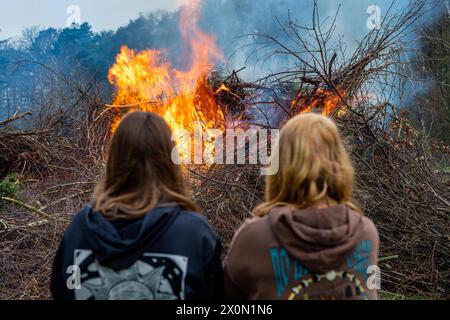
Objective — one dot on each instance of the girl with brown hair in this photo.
(141, 237)
(309, 240)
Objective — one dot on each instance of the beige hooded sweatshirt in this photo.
(314, 253)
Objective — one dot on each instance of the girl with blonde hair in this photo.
(308, 240)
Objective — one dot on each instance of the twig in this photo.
(14, 118)
(27, 206)
(388, 258)
(66, 198)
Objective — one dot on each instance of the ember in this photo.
(327, 101)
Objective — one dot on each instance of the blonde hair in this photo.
(314, 167)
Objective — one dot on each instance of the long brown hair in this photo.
(314, 167)
(140, 172)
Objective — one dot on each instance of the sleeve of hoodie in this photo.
(63, 258)
(58, 286)
(232, 270)
(371, 231)
(213, 272)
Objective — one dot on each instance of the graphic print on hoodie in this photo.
(302, 254)
(152, 277)
(149, 258)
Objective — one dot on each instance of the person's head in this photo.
(314, 167)
(139, 170)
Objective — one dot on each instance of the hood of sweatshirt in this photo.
(119, 243)
(320, 238)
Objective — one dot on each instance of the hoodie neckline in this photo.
(119, 248)
(321, 238)
(115, 233)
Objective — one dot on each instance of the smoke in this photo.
(235, 23)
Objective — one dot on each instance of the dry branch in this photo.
(27, 206)
(14, 118)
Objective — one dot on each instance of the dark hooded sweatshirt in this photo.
(303, 254)
(167, 254)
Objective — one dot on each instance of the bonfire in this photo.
(60, 162)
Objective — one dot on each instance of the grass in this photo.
(10, 185)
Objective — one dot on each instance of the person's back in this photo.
(141, 237)
(302, 254)
(309, 241)
(168, 254)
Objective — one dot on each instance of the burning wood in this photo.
(147, 81)
(323, 100)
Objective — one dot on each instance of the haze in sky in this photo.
(16, 15)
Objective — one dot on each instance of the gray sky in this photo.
(15, 15)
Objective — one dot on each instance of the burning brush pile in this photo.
(398, 185)
(147, 81)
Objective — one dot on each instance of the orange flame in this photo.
(146, 80)
(325, 100)
(222, 88)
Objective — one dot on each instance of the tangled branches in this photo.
(22, 150)
(318, 62)
(408, 200)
